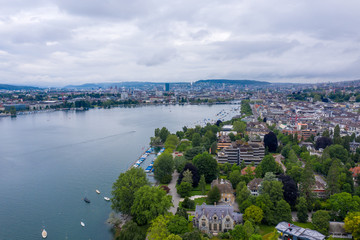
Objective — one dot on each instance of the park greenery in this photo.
(282, 190)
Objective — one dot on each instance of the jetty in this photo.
(142, 158)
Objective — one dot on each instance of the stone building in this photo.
(226, 190)
(216, 218)
(238, 152)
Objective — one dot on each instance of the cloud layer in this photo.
(55, 43)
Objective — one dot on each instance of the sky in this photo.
(56, 43)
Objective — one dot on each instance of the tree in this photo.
(213, 195)
(248, 228)
(125, 187)
(352, 223)
(191, 153)
(264, 202)
(188, 176)
(182, 212)
(164, 167)
(270, 141)
(196, 140)
(202, 184)
(188, 203)
(207, 165)
(290, 189)
(337, 138)
(130, 230)
(333, 177)
(173, 237)
(323, 142)
(235, 178)
(194, 235)
(238, 232)
(285, 151)
(163, 134)
(195, 174)
(268, 164)
(307, 182)
(292, 159)
(184, 189)
(254, 214)
(171, 142)
(342, 203)
(158, 229)
(320, 220)
(179, 163)
(283, 211)
(239, 126)
(177, 225)
(302, 210)
(149, 202)
(295, 173)
(274, 189)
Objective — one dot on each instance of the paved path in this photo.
(173, 193)
(278, 160)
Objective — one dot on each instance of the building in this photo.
(290, 231)
(239, 152)
(167, 87)
(319, 188)
(226, 190)
(216, 218)
(254, 186)
(337, 230)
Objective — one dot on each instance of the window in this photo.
(215, 227)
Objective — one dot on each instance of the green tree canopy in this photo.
(164, 167)
(302, 210)
(149, 202)
(352, 224)
(268, 164)
(130, 230)
(342, 203)
(283, 211)
(158, 229)
(177, 225)
(320, 220)
(235, 178)
(163, 134)
(202, 184)
(184, 189)
(179, 163)
(188, 176)
(213, 196)
(254, 214)
(196, 140)
(125, 187)
(207, 166)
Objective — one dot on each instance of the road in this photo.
(175, 196)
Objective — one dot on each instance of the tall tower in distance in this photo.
(167, 87)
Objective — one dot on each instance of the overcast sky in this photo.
(55, 43)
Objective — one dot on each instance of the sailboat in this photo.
(44, 233)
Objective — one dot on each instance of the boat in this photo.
(106, 199)
(97, 191)
(82, 224)
(44, 233)
(86, 200)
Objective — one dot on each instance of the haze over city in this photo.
(56, 43)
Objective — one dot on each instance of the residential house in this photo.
(216, 218)
(254, 186)
(337, 230)
(226, 190)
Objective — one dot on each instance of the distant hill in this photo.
(88, 86)
(15, 87)
(232, 82)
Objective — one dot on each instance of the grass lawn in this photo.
(199, 201)
(266, 229)
(304, 225)
(197, 191)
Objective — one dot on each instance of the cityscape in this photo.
(180, 120)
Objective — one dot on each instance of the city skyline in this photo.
(57, 43)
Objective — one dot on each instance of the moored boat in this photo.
(97, 191)
(86, 200)
(82, 224)
(106, 199)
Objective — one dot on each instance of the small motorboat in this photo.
(44, 233)
(97, 191)
(86, 200)
(82, 224)
(106, 199)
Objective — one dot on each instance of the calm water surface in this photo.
(50, 161)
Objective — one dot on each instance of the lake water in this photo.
(50, 161)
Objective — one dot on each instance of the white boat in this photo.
(106, 199)
(44, 233)
(82, 224)
(97, 191)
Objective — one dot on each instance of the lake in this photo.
(50, 161)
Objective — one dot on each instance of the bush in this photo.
(188, 203)
(184, 189)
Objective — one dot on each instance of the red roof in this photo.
(355, 171)
(243, 171)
